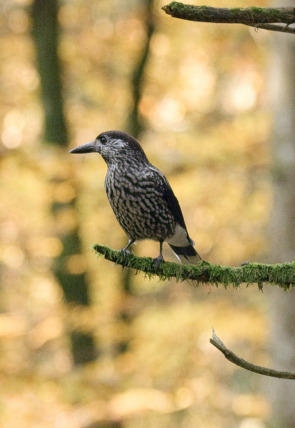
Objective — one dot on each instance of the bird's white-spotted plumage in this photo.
(140, 195)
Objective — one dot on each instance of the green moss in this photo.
(177, 6)
(265, 15)
(257, 9)
(203, 8)
(282, 275)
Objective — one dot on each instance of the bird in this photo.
(141, 196)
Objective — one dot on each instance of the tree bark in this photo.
(282, 224)
(273, 19)
(236, 15)
(134, 126)
(45, 33)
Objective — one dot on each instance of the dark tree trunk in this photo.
(45, 32)
(74, 285)
(134, 126)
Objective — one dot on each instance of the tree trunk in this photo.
(282, 224)
(74, 285)
(45, 32)
(134, 127)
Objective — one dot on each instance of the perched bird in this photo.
(140, 195)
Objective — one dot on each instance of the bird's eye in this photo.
(103, 140)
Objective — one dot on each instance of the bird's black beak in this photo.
(85, 148)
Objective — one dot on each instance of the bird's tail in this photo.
(187, 255)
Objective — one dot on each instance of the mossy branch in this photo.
(274, 19)
(282, 275)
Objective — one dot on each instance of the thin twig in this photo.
(233, 358)
(282, 28)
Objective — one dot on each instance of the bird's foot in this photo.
(157, 261)
(125, 253)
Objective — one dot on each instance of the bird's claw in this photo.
(125, 253)
(157, 261)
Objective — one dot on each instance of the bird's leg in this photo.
(125, 250)
(130, 242)
(160, 258)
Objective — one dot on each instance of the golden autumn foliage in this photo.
(206, 121)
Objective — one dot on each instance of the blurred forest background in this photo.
(83, 343)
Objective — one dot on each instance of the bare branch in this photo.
(233, 358)
(259, 17)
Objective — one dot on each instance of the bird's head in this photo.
(114, 146)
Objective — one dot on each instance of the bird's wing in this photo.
(180, 242)
(163, 187)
